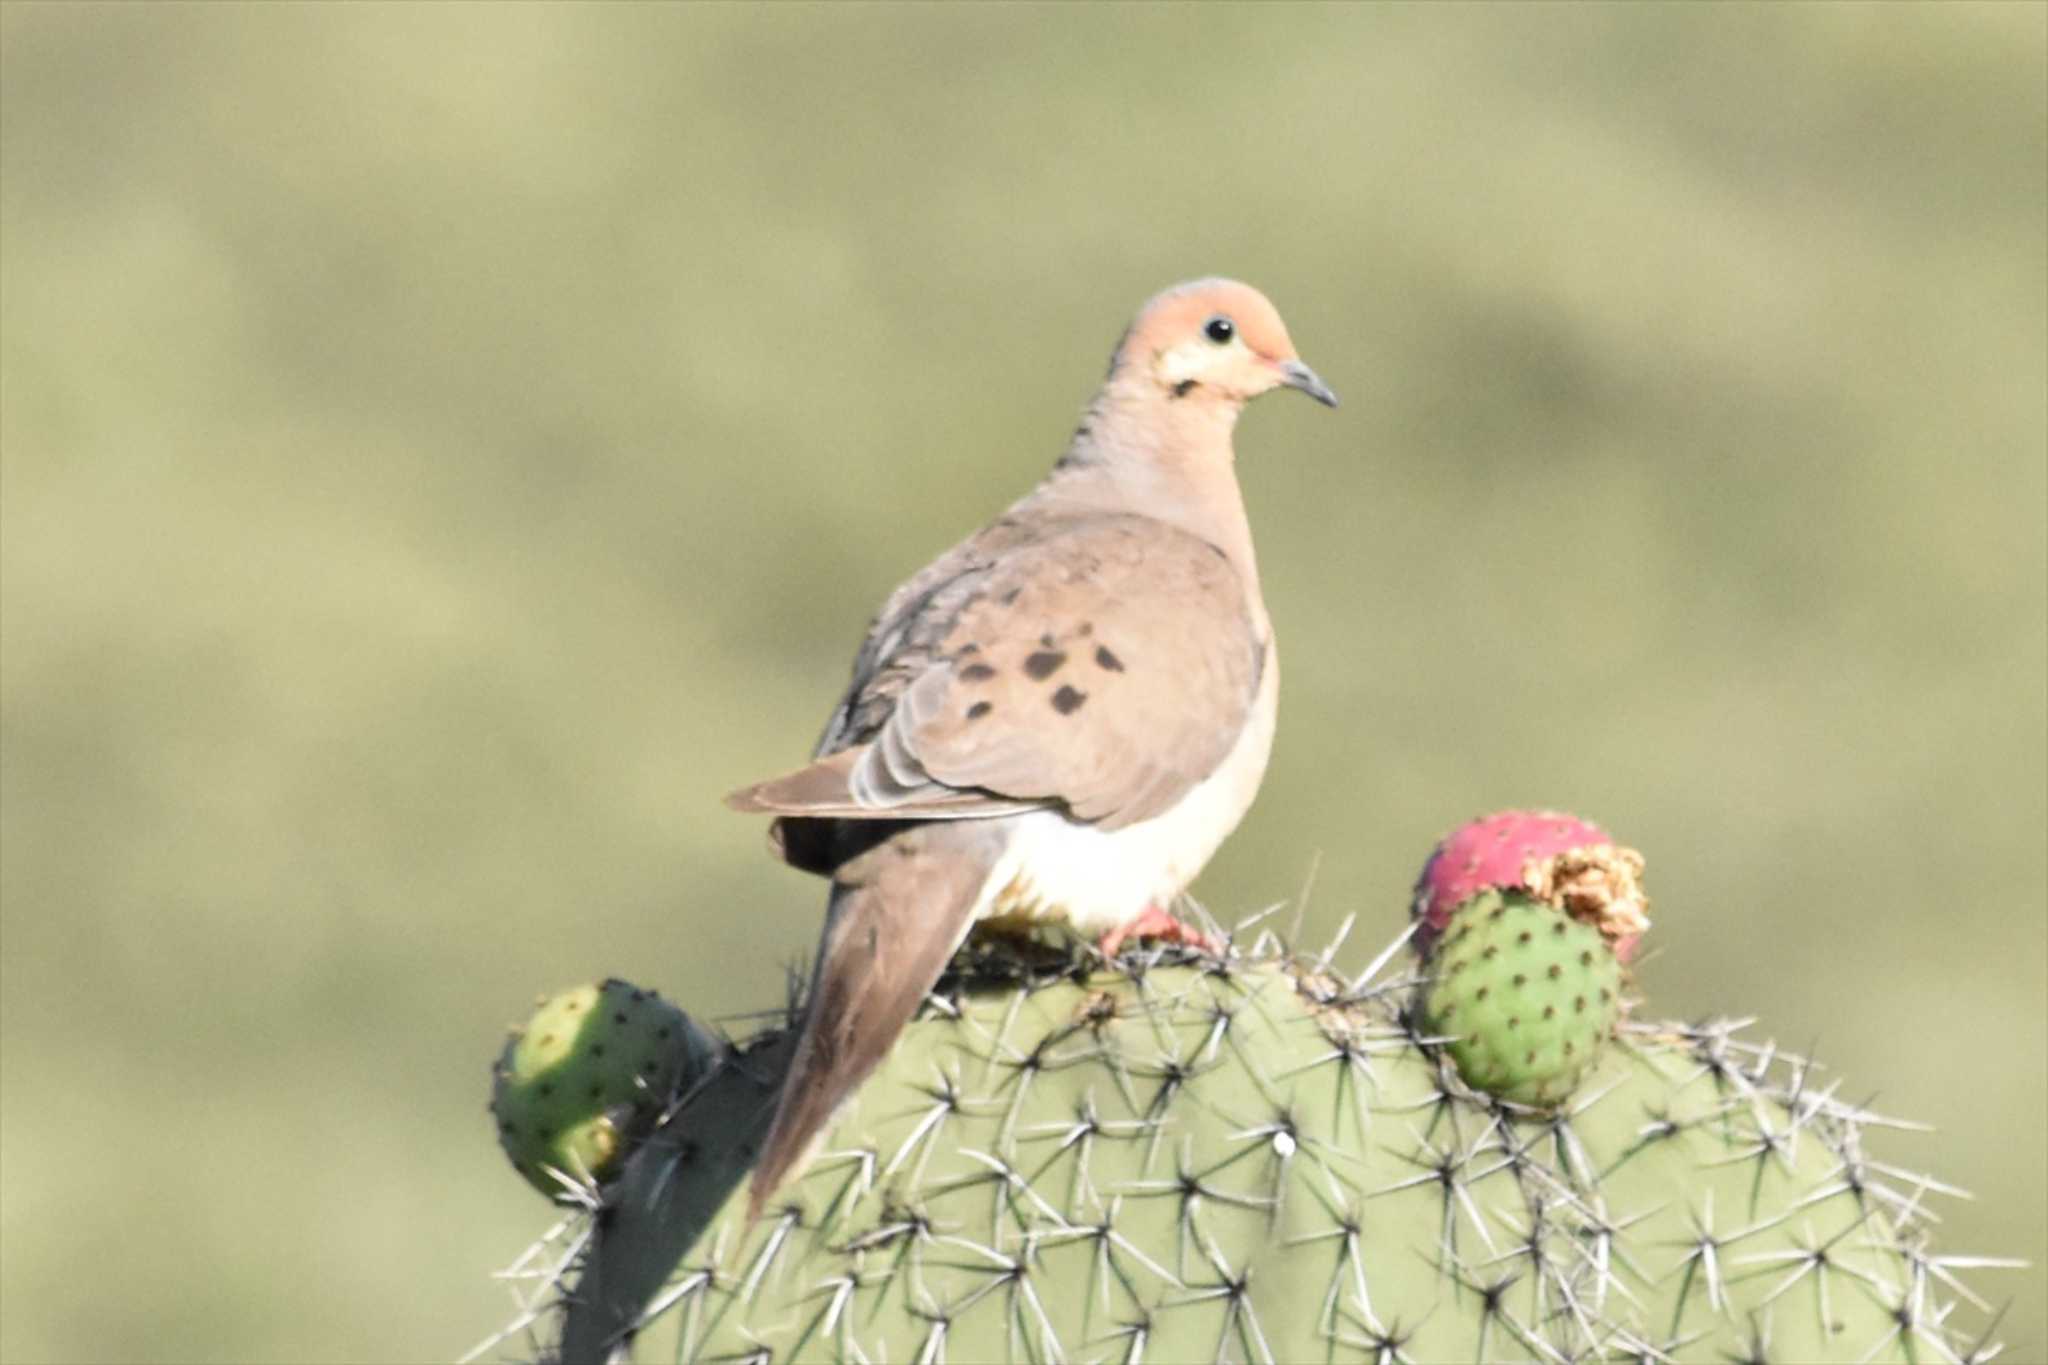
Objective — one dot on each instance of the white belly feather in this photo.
(1056, 869)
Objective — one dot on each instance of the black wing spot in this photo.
(1043, 664)
(979, 709)
(976, 673)
(1105, 659)
(1068, 700)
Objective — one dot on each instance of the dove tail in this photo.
(896, 914)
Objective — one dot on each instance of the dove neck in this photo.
(1168, 460)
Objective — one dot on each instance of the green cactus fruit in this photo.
(587, 1077)
(1253, 1160)
(1528, 995)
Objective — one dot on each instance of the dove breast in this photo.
(1093, 879)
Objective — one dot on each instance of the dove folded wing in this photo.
(1105, 665)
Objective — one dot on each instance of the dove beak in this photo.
(1296, 375)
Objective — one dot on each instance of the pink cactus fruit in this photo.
(1568, 862)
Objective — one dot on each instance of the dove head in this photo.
(1213, 342)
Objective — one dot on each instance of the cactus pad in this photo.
(1256, 1160)
(588, 1074)
(1528, 994)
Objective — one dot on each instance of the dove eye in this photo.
(1219, 329)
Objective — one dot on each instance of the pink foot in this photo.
(1153, 922)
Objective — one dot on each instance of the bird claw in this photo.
(1155, 923)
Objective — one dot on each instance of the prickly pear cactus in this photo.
(1525, 994)
(1571, 863)
(1260, 1160)
(588, 1075)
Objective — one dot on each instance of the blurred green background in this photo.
(447, 448)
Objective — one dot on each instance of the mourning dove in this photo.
(1059, 719)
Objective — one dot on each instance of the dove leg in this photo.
(1153, 922)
